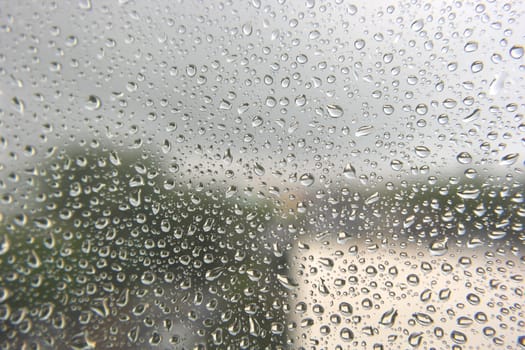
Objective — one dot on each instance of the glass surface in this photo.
(262, 174)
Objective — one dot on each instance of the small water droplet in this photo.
(346, 334)
(300, 100)
(458, 337)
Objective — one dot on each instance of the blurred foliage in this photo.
(100, 228)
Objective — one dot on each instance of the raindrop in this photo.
(93, 103)
(258, 169)
(388, 109)
(471, 46)
(388, 318)
(307, 179)
(476, 66)
(415, 339)
(516, 52)
(509, 159)
(417, 25)
(464, 158)
(422, 151)
(359, 44)
(334, 111)
(396, 164)
(191, 70)
(346, 334)
(349, 171)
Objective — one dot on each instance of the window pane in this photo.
(261, 174)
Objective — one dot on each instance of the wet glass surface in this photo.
(261, 175)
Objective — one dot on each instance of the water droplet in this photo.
(476, 67)
(464, 158)
(191, 70)
(423, 319)
(421, 109)
(388, 318)
(349, 171)
(458, 337)
(301, 59)
(307, 179)
(415, 339)
(396, 164)
(300, 100)
(334, 111)
(258, 169)
(509, 159)
(516, 52)
(346, 334)
(18, 104)
(388, 109)
(471, 46)
(422, 151)
(359, 44)
(247, 29)
(417, 25)
(93, 103)
(439, 247)
(225, 105)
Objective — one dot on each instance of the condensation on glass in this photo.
(262, 174)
